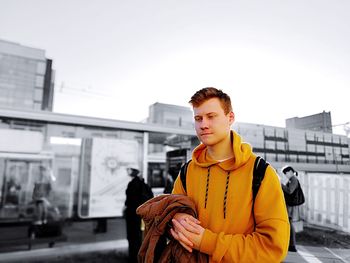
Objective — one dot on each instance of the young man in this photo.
(219, 181)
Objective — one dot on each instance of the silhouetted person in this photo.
(133, 221)
(289, 188)
(41, 191)
(13, 189)
(170, 178)
(101, 226)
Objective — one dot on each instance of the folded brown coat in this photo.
(157, 214)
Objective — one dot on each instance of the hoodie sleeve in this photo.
(178, 188)
(269, 242)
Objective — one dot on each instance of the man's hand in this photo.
(187, 230)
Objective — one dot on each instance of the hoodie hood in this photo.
(241, 153)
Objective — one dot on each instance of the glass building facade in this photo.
(26, 77)
(87, 157)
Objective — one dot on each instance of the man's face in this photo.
(289, 174)
(211, 123)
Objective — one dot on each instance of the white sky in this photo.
(114, 58)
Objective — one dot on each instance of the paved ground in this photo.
(75, 233)
(116, 251)
(103, 251)
(323, 237)
(82, 245)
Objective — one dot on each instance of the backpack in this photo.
(296, 198)
(260, 166)
(146, 192)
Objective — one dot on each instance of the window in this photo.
(302, 158)
(39, 81)
(293, 157)
(280, 146)
(38, 95)
(311, 159)
(270, 145)
(281, 157)
(320, 148)
(311, 148)
(41, 67)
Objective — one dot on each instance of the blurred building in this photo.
(26, 77)
(88, 157)
(316, 122)
(170, 115)
(307, 143)
(312, 151)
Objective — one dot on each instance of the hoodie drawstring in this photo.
(206, 188)
(226, 190)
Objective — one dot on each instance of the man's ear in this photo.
(231, 117)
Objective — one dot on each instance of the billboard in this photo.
(21, 141)
(103, 176)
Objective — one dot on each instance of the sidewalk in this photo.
(75, 233)
(307, 254)
(116, 251)
(82, 245)
(101, 251)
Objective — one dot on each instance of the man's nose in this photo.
(204, 124)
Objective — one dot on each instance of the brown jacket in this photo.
(157, 214)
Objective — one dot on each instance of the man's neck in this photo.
(222, 150)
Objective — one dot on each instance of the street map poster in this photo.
(104, 176)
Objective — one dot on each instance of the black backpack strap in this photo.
(183, 172)
(260, 166)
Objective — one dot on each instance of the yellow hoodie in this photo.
(229, 235)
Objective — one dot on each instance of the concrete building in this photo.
(305, 148)
(311, 151)
(26, 77)
(316, 122)
(170, 115)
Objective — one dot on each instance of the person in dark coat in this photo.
(169, 182)
(133, 221)
(289, 188)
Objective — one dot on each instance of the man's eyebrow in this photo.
(200, 115)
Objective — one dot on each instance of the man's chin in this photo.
(207, 142)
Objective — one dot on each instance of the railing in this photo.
(327, 199)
